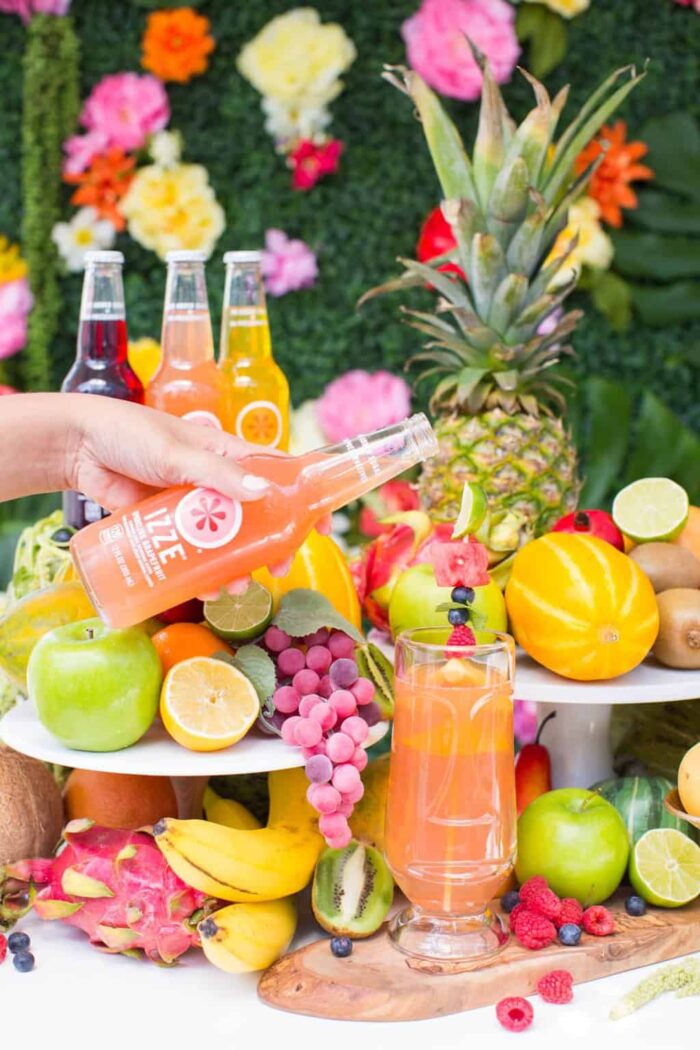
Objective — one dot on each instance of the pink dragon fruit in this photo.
(117, 887)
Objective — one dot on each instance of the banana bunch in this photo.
(243, 864)
(246, 937)
(228, 812)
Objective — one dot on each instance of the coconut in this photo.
(31, 813)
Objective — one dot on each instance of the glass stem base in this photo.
(448, 939)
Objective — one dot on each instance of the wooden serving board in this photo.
(379, 983)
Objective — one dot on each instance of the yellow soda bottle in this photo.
(257, 391)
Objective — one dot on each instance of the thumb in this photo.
(192, 466)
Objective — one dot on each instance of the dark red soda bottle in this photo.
(101, 365)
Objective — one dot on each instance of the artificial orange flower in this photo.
(176, 44)
(610, 184)
(103, 184)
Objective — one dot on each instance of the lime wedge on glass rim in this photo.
(472, 511)
(651, 509)
(665, 868)
(240, 617)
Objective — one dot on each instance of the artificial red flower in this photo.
(391, 498)
(103, 184)
(310, 162)
(609, 185)
(436, 238)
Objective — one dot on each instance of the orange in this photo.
(206, 704)
(580, 607)
(180, 641)
(118, 800)
(318, 565)
(260, 423)
(690, 536)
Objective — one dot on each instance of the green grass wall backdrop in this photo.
(361, 219)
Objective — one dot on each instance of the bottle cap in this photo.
(242, 257)
(185, 256)
(103, 257)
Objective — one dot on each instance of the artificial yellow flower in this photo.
(565, 8)
(594, 247)
(167, 209)
(296, 61)
(12, 265)
(144, 357)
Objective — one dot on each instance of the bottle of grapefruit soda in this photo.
(257, 391)
(101, 365)
(187, 383)
(188, 541)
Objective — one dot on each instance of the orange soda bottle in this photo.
(257, 388)
(188, 541)
(187, 382)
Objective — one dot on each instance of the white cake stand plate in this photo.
(578, 739)
(157, 754)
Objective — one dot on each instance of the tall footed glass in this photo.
(451, 814)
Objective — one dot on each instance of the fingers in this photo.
(281, 568)
(239, 586)
(325, 525)
(192, 466)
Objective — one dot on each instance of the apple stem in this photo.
(90, 633)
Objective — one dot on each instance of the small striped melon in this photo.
(580, 607)
(640, 803)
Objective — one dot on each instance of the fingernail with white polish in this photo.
(253, 483)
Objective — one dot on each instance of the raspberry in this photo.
(533, 886)
(545, 902)
(462, 636)
(556, 986)
(533, 931)
(598, 921)
(569, 911)
(515, 1013)
(3, 948)
(517, 910)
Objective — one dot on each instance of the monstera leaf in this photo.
(659, 250)
(620, 439)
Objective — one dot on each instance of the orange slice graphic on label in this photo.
(261, 423)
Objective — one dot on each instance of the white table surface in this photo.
(79, 999)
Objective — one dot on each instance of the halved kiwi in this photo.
(352, 891)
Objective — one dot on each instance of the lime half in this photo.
(240, 617)
(472, 510)
(651, 509)
(665, 868)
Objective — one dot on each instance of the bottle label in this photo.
(362, 456)
(247, 317)
(207, 519)
(204, 419)
(104, 310)
(261, 423)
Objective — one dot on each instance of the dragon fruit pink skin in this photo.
(117, 887)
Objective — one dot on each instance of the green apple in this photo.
(417, 595)
(95, 688)
(577, 840)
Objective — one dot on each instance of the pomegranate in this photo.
(593, 523)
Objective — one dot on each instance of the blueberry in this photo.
(341, 947)
(458, 617)
(18, 942)
(462, 595)
(62, 537)
(635, 905)
(23, 961)
(570, 934)
(509, 900)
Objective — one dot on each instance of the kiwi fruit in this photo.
(667, 565)
(678, 641)
(352, 891)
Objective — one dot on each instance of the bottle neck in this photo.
(186, 336)
(245, 329)
(102, 335)
(338, 474)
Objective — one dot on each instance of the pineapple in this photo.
(498, 409)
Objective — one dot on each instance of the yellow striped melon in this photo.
(580, 607)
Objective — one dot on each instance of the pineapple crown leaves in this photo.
(506, 205)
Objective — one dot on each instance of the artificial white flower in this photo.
(84, 233)
(165, 148)
(305, 429)
(286, 123)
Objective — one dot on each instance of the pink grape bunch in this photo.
(323, 706)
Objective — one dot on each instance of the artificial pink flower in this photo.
(287, 264)
(126, 108)
(310, 162)
(360, 401)
(15, 303)
(525, 721)
(26, 8)
(80, 149)
(7, 390)
(437, 47)
(695, 4)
